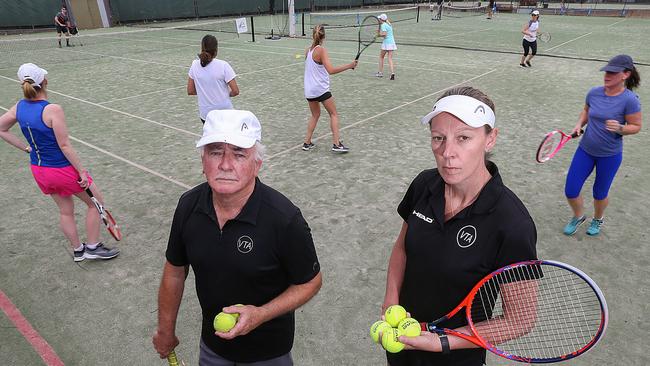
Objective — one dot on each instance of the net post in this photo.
(252, 29)
(303, 24)
(417, 17)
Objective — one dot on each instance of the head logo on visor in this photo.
(472, 112)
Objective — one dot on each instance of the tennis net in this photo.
(463, 11)
(140, 38)
(353, 19)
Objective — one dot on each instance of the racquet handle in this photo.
(576, 134)
(172, 359)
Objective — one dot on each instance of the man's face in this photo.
(64, 11)
(230, 169)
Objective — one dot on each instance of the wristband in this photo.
(444, 343)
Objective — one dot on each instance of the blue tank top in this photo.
(45, 149)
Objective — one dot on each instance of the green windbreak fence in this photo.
(125, 11)
(28, 14)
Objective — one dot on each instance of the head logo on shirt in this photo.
(244, 244)
(466, 236)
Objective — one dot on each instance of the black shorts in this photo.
(61, 29)
(322, 98)
(532, 46)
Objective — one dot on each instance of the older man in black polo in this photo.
(246, 243)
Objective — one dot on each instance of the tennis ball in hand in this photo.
(224, 322)
(377, 327)
(390, 340)
(409, 327)
(394, 314)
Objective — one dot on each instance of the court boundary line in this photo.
(380, 114)
(620, 21)
(114, 110)
(183, 86)
(129, 162)
(31, 335)
(569, 41)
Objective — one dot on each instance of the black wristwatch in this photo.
(444, 343)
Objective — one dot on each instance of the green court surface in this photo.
(135, 128)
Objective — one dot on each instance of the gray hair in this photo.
(260, 150)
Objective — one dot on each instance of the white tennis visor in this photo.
(469, 110)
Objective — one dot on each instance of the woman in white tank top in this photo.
(318, 69)
(529, 42)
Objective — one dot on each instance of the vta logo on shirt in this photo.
(245, 244)
(466, 236)
(422, 217)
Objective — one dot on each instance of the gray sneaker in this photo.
(101, 252)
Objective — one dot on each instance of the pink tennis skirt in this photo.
(61, 181)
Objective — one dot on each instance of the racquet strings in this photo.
(368, 30)
(549, 146)
(553, 312)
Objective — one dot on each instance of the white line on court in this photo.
(183, 86)
(141, 167)
(569, 41)
(381, 114)
(114, 110)
(127, 58)
(620, 21)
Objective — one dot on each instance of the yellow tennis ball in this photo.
(377, 327)
(390, 341)
(394, 314)
(298, 55)
(224, 322)
(409, 327)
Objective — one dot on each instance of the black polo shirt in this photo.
(444, 260)
(256, 257)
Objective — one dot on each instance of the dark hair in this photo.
(317, 35)
(634, 80)
(209, 45)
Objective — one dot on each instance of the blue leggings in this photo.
(582, 166)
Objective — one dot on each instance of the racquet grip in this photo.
(172, 359)
(576, 134)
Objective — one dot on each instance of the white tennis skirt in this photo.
(389, 47)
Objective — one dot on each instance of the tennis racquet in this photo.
(534, 311)
(552, 143)
(368, 33)
(545, 37)
(173, 360)
(107, 218)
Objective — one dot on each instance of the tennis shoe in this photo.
(307, 147)
(340, 148)
(523, 65)
(79, 254)
(528, 64)
(101, 252)
(379, 74)
(572, 226)
(594, 227)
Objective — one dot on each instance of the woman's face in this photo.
(615, 79)
(459, 149)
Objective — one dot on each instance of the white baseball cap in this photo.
(383, 17)
(239, 128)
(31, 72)
(535, 12)
(469, 110)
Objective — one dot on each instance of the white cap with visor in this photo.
(471, 111)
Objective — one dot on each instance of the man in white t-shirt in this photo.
(211, 79)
